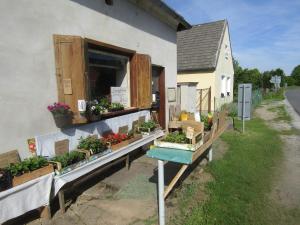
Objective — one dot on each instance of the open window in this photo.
(87, 69)
(106, 70)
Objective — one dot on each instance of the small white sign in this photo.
(120, 95)
(81, 105)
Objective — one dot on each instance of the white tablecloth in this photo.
(25, 197)
(60, 181)
(45, 143)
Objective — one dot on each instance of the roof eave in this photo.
(165, 13)
(208, 69)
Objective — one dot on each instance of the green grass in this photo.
(282, 114)
(273, 95)
(242, 179)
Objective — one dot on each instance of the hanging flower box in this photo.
(61, 113)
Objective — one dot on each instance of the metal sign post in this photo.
(244, 102)
(276, 80)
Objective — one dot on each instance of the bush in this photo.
(275, 95)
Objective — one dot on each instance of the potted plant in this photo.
(147, 127)
(68, 161)
(61, 114)
(116, 106)
(116, 141)
(93, 144)
(29, 169)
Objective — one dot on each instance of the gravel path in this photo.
(286, 189)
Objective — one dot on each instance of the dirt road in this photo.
(286, 189)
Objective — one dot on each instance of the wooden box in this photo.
(197, 141)
(32, 175)
(135, 138)
(116, 147)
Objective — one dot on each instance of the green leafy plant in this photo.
(27, 165)
(176, 137)
(116, 106)
(69, 158)
(207, 122)
(148, 125)
(93, 144)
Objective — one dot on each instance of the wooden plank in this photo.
(140, 81)
(61, 199)
(174, 180)
(9, 157)
(162, 99)
(206, 145)
(70, 66)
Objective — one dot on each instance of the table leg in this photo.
(127, 161)
(174, 180)
(210, 154)
(161, 187)
(61, 198)
(45, 212)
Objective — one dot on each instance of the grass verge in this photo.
(282, 114)
(242, 180)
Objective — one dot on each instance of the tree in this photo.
(296, 75)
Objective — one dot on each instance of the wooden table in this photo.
(104, 162)
(186, 158)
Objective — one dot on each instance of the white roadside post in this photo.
(210, 154)
(161, 189)
(243, 115)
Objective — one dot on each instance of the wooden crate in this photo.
(135, 138)
(119, 145)
(9, 157)
(197, 141)
(32, 175)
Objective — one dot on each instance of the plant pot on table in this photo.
(17, 180)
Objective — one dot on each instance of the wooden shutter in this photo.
(70, 72)
(140, 81)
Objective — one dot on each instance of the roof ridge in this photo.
(217, 21)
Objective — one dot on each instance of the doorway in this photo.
(158, 107)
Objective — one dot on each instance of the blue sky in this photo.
(264, 34)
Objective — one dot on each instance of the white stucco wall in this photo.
(27, 69)
(224, 67)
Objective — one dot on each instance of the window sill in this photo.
(118, 113)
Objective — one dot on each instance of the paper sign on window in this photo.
(120, 95)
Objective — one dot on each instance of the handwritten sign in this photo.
(120, 95)
(61, 147)
(190, 132)
(67, 83)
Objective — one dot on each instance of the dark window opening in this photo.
(105, 71)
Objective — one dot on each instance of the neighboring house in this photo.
(70, 50)
(204, 56)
